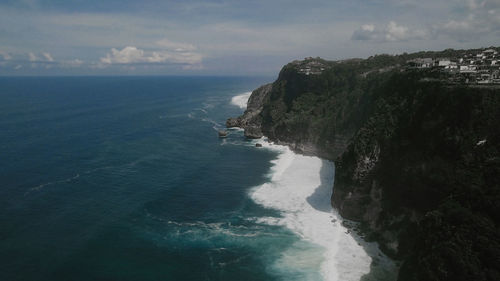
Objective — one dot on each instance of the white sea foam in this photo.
(39, 187)
(216, 126)
(300, 188)
(241, 100)
(202, 230)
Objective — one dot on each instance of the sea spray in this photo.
(300, 188)
(241, 100)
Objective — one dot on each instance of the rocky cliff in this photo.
(251, 119)
(417, 159)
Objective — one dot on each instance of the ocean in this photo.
(125, 178)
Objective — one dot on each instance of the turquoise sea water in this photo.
(125, 179)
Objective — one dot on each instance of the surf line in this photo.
(300, 188)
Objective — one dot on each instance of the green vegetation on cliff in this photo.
(417, 160)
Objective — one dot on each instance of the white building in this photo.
(443, 62)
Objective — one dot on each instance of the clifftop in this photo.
(310, 66)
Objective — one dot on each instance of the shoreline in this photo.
(300, 188)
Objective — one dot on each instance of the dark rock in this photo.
(222, 134)
(258, 145)
(253, 132)
(251, 120)
(257, 98)
(232, 122)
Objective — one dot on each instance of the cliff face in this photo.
(417, 160)
(251, 119)
(311, 110)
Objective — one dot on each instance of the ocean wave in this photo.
(39, 187)
(199, 113)
(216, 125)
(200, 230)
(202, 110)
(127, 165)
(300, 188)
(170, 116)
(241, 100)
(237, 141)
(202, 114)
(209, 104)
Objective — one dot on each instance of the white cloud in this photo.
(126, 55)
(365, 32)
(48, 57)
(396, 32)
(134, 55)
(72, 63)
(368, 27)
(390, 33)
(470, 21)
(45, 60)
(479, 19)
(176, 46)
(5, 55)
(234, 40)
(32, 57)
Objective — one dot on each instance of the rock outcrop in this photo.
(251, 120)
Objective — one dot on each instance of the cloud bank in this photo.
(390, 33)
(471, 21)
(168, 52)
(478, 19)
(229, 37)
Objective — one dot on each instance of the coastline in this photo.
(300, 188)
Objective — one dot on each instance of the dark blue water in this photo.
(126, 179)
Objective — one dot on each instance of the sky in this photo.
(228, 37)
